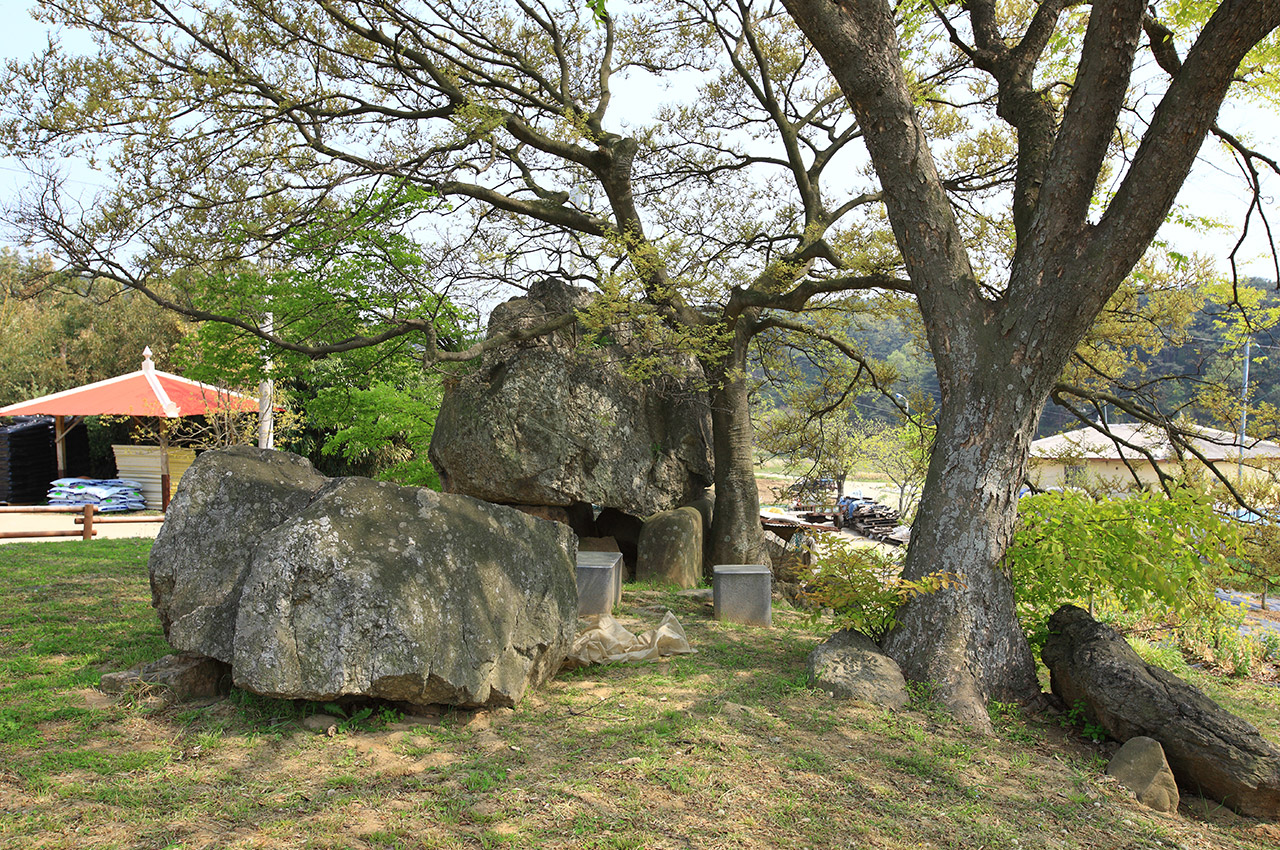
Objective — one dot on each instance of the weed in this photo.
(924, 697)
(1006, 718)
(482, 776)
(1078, 715)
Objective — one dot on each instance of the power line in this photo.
(26, 173)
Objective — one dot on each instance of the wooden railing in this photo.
(89, 517)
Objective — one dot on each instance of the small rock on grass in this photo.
(849, 665)
(1141, 767)
(326, 724)
(186, 675)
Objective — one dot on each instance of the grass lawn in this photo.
(724, 749)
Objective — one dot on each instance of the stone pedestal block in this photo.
(599, 582)
(741, 594)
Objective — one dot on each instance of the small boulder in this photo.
(226, 501)
(325, 724)
(1211, 752)
(670, 548)
(404, 594)
(849, 665)
(186, 675)
(1140, 766)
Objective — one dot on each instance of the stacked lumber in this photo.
(875, 521)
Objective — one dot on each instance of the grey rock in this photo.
(670, 548)
(404, 594)
(1141, 767)
(225, 503)
(706, 505)
(187, 675)
(1211, 752)
(554, 420)
(849, 665)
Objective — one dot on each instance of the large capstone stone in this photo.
(1211, 752)
(405, 594)
(371, 589)
(226, 502)
(554, 420)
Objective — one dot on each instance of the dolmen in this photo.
(317, 588)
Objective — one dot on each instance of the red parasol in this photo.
(147, 392)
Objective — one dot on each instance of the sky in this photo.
(1214, 190)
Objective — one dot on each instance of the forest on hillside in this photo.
(1208, 350)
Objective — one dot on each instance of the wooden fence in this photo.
(89, 517)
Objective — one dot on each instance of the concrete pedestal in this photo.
(599, 582)
(741, 593)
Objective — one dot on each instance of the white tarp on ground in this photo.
(604, 639)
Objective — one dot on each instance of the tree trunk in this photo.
(967, 640)
(735, 525)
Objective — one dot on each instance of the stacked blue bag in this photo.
(105, 494)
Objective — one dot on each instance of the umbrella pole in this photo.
(164, 467)
(60, 444)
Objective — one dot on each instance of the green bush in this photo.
(863, 586)
(1150, 554)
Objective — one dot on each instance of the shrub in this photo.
(863, 586)
(1150, 554)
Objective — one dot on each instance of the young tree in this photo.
(900, 452)
(1000, 340)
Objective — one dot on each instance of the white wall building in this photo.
(1089, 459)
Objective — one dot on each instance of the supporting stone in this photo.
(741, 594)
(670, 548)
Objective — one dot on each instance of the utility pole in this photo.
(1244, 411)
(266, 398)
